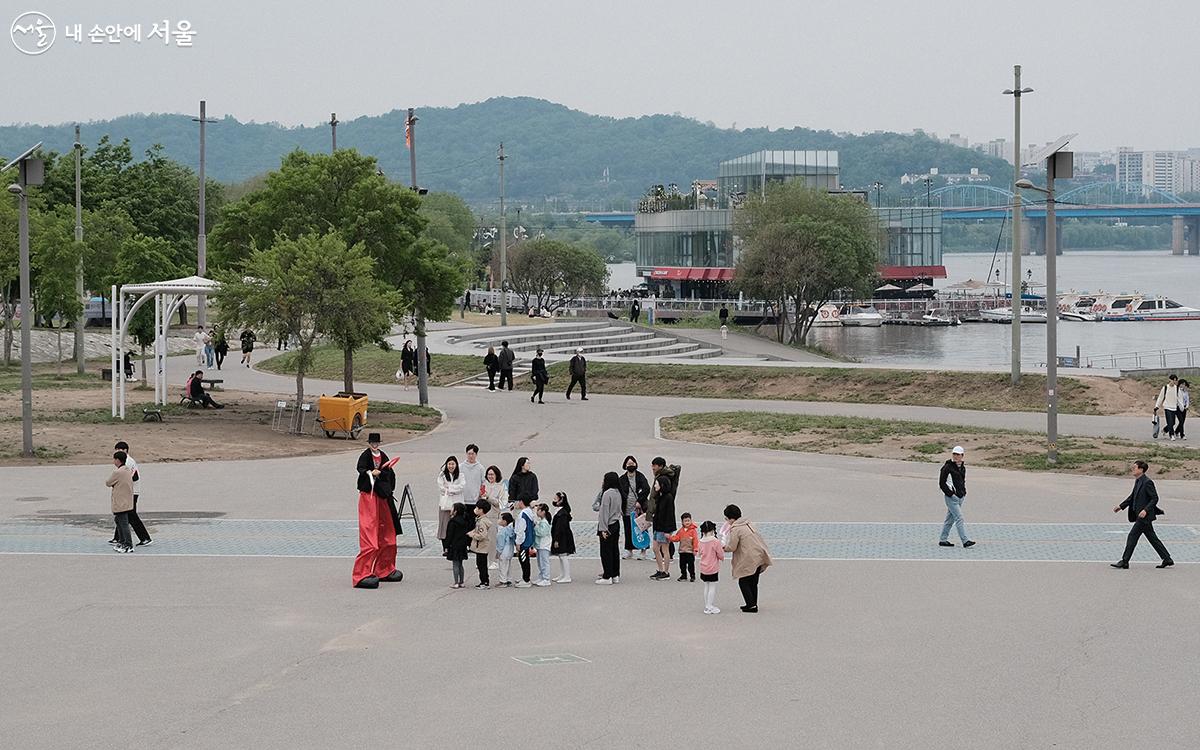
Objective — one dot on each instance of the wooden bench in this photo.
(152, 415)
(212, 382)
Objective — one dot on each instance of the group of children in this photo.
(531, 533)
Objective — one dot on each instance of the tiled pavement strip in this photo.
(998, 542)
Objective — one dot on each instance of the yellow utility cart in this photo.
(345, 412)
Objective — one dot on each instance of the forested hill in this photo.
(552, 150)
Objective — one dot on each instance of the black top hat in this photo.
(373, 437)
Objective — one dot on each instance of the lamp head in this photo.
(1025, 184)
(15, 189)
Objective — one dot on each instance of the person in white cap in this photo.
(578, 374)
(953, 483)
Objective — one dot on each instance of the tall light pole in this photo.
(1016, 91)
(202, 234)
(410, 139)
(927, 180)
(1058, 164)
(81, 321)
(878, 187)
(30, 172)
(333, 123)
(503, 248)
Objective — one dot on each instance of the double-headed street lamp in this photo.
(30, 172)
(1058, 164)
(878, 188)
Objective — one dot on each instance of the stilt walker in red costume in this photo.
(377, 519)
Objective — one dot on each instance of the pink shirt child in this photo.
(712, 552)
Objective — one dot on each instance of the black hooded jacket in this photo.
(562, 540)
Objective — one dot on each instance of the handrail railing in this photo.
(1148, 359)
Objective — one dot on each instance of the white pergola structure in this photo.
(168, 296)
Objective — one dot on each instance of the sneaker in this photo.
(693, 580)
(603, 581)
(562, 580)
(660, 576)
(681, 578)
(969, 543)
(615, 579)
(494, 566)
(542, 583)
(708, 610)
(146, 543)
(715, 611)
(523, 585)
(483, 587)
(944, 543)
(507, 584)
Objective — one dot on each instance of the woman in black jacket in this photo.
(457, 541)
(562, 540)
(631, 479)
(492, 364)
(523, 484)
(540, 377)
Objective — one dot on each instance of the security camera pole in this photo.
(31, 171)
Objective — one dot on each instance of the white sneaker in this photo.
(542, 583)
(523, 585)
(626, 555)
(562, 580)
(603, 581)
(714, 611)
(615, 579)
(708, 610)
(494, 566)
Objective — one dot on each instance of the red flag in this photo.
(408, 132)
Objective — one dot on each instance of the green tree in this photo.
(141, 260)
(55, 255)
(548, 274)
(309, 287)
(801, 246)
(9, 272)
(344, 193)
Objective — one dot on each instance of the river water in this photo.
(1154, 272)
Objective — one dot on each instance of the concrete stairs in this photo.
(603, 338)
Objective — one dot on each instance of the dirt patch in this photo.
(75, 426)
(928, 442)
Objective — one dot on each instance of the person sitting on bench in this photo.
(196, 392)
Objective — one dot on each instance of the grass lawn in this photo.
(928, 442)
(959, 390)
(374, 365)
(45, 379)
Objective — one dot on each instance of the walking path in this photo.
(239, 627)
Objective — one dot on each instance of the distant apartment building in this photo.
(1172, 171)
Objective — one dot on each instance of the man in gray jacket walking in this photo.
(506, 358)
(578, 374)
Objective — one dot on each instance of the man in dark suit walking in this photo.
(1142, 505)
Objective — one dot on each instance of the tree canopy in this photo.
(801, 245)
(547, 274)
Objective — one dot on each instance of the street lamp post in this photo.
(1016, 91)
(201, 234)
(333, 123)
(878, 187)
(1058, 164)
(31, 172)
(927, 180)
(503, 248)
(81, 321)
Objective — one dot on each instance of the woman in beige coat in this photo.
(750, 555)
(121, 482)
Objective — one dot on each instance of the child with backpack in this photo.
(526, 543)
(712, 552)
(542, 534)
(689, 543)
(562, 540)
(506, 542)
(481, 542)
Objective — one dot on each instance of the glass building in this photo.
(913, 248)
(751, 173)
(690, 239)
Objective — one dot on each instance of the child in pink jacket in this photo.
(711, 552)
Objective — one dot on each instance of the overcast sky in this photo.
(1117, 72)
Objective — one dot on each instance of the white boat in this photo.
(1144, 307)
(1005, 315)
(940, 317)
(865, 316)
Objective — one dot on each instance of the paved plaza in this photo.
(238, 628)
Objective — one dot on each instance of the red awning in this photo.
(674, 273)
(890, 273)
